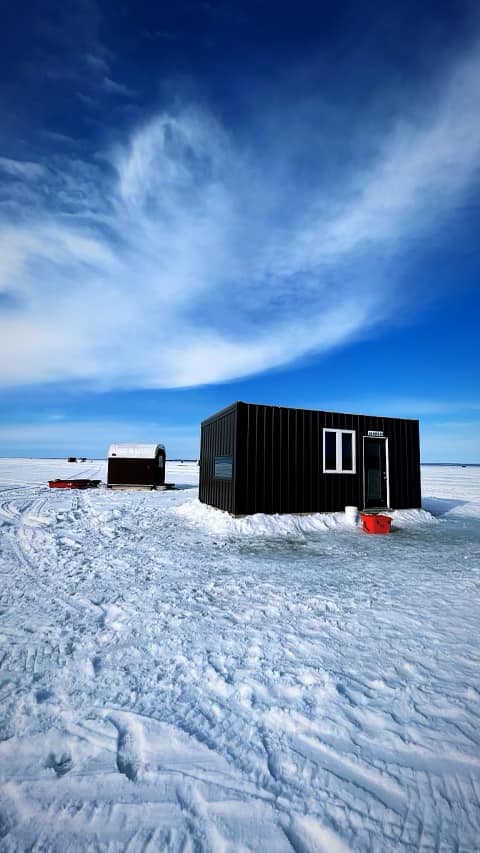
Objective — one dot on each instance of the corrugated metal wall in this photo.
(278, 460)
(404, 441)
(218, 439)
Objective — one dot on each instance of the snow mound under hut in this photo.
(275, 526)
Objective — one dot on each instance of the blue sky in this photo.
(202, 202)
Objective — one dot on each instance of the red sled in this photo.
(73, 484)
(376, 523)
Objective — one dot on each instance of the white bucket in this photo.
(351, 515)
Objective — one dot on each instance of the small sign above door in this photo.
(375, 433)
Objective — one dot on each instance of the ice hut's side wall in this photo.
(279, 461)
(404, 450)
(218, 440)
(139, 472)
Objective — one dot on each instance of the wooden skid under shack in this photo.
(140, 487)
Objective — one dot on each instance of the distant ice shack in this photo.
(272, 459)
(136, 465)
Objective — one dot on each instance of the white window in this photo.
(339, 451)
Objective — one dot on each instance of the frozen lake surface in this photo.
(173, 679)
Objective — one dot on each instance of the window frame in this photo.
(339, 432)
(224, 458)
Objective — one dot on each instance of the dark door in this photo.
(375, 473)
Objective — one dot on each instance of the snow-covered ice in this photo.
(175, 679)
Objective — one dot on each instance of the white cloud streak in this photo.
(191, 265)
(400, 407)
(22, 169)
(113, 88)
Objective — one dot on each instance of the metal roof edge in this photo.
(221, 412)
(232, 406)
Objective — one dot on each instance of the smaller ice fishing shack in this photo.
(140, 465)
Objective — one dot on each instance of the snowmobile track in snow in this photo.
(172, 679)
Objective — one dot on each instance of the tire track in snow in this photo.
(32, 547)
(27, 543)
(172, 607)
(9, 512)
(352, 771)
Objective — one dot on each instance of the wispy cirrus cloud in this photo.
(182, 257)
(97, 61)
(21, 169)
(404, 407)
(112, 87)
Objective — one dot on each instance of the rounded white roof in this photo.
(134, 451)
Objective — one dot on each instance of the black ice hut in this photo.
(141, 465)
(272, 459)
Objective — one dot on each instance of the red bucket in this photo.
(376, 523)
